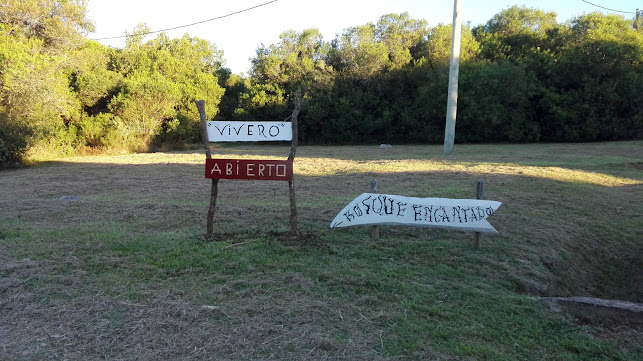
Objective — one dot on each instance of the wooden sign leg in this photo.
(214, 191)
(479, 195)
(293, 209)
(375, 231)
(294, 232)
(214, 188)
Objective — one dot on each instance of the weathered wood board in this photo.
(249, 169)
(385, 209)
(237, 131)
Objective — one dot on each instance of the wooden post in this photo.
(479, 195)
(294, 232)
(375, 231)
(214, 188)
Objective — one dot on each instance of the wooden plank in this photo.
(385, 209)
(249, 169)
(479, 195)
(237, 131)
(214, 187)
(294, 228)
(200, 105)
(375, 231)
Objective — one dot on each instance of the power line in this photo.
(192, 24)
(603, 7)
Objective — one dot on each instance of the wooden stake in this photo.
(294, 232)
(479, 195)
(375, 231)
(214, 188)
(295, 135)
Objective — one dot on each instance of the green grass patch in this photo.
(127, 265)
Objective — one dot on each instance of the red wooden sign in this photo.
(248, 169)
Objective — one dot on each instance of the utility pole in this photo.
(454, 69)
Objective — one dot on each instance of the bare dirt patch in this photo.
(635, 165)
(607, 319)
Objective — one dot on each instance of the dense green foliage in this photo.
(61, 93)
(524, 78)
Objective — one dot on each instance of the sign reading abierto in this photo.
(234, 131)
(249, 169)
(384, 209)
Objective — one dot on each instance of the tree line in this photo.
(524, 77)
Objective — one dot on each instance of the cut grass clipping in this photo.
(103, 258)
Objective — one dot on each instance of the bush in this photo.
(13, 142)
(178, 133)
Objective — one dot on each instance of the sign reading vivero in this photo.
(234, 131)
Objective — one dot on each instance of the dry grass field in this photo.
(103, 257)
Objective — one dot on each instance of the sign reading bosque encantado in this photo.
(384, 209)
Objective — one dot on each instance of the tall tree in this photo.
(161, 79)
(358, 53)
(437, 48)
(147, 100)
(598, 81)
(515, 32)
(59, 23)
(93, 77)
(297, 61)
(37, 41)
(34, 87)
(400, 33)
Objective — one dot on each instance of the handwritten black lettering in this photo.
(416, 213)
(401, 207)
(456, 213)
(381, 206)
(388, 205)
(221, 130)
(368, 208)
(428, 213)
(349, 216)
(481, 214)
(237, 131)
(464, 211)
(443, 216)
(474, 217)
(358, 210)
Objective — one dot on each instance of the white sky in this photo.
(240, 35)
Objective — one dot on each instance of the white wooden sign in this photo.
(235, 131)
(385, 209)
